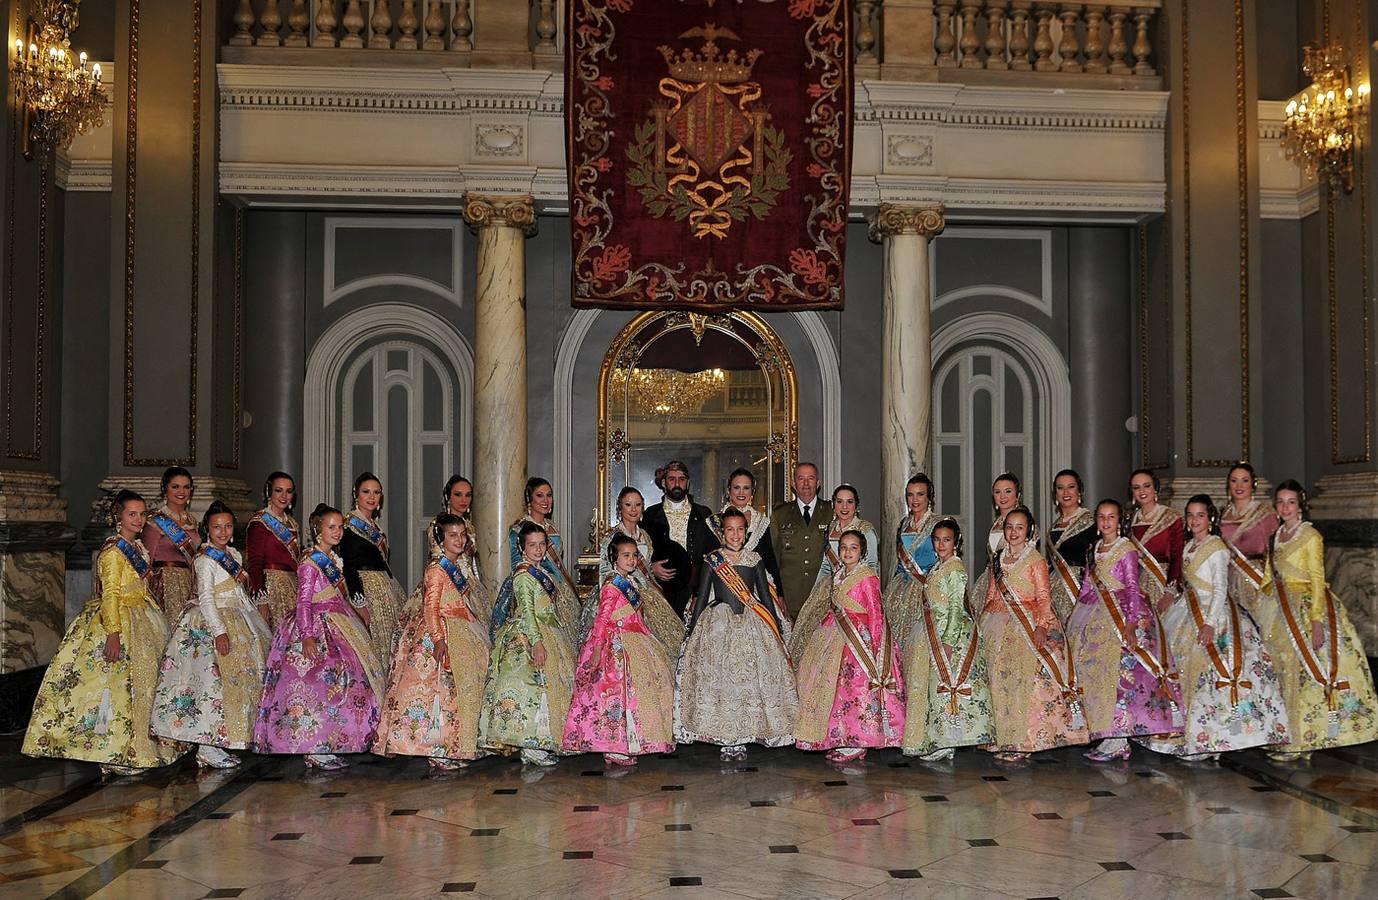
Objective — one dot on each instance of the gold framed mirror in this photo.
(716, 391)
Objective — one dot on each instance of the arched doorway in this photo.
(389, 390)
(717, 391)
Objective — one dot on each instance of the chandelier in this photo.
(1323, 121)
(667, 393)
(59, 96)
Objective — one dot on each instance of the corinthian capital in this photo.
(481, 211)
(892, 219)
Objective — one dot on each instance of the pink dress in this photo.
(624, 682)
(851, 689)
(329, 704)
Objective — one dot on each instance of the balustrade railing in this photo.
(1110, 40)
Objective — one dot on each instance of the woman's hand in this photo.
(267, 615)
(308, 648)
(662, 571)
(222, 645)
(1207, 636)
(442, 653)
(112, 647)
(538, 655)
(1041, 635)
(1317, 635)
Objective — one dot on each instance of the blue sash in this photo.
(503, 607)
(623, 584)
(330, 570)
(456, 577)
(235, 570)
(174, 532)
(135, 558)
(279, 530)
(372, 532)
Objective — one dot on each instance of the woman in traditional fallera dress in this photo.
(734, 685)
(540, 506)
(97, 695)
(431, 707)
(531, 666)
(372, 589)
(458, 501)
(741, 496)
(171, 537)
(851, 681)
(1159, 536)
(1230, 691)
(1326, 684)
(323, 684)
(846, 504)
(272, 550)
(914, 556)
(1069, 540)
(654, 610)
(1006, 493)
(1119, 650)
(1246, 527)
(624, 683)
(1033, 691)
(211, 677)
(945, 668)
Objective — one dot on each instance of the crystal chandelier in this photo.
(58, 95)
(1323, 121)
(667, 393)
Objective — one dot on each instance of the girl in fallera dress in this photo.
(734, 685)
(1033, 689)
(1006, 493)
(851, 681)
(945, 667)
(1119, 650)
(431, 707)
(624, 683)
(540, 506)
(272, 550)
(1069, 540)
(364, 549)
(211, 678)
(846, 504)
(531, 666)
(1326, 683)
(171, 536)
(96, 698)
(1159, 535)
(458, 501)
(914, 556)
(741, 496)
(323, 684)
(654, 610)
(1230, 691)
(1246, 527)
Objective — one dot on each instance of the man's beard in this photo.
(677, 493)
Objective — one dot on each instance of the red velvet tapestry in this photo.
(709, 148)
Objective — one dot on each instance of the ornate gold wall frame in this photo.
(629, 346)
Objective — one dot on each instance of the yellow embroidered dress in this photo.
(98, 711)
(1328, 691)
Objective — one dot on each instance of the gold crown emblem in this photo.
(711, 66)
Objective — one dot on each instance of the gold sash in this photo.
(1071, 691)
(879, 674)
(1064, 573)
(1242, 563)
(722, 567)
(959, 687)
(1149, 661)
(910, 567)
(1331, 682)
(1149, 562)
(1225, 677)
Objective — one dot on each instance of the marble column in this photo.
(1345, 511)
(907, 364)
(501, 223)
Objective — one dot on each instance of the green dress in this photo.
(949, 698)
(524, 707)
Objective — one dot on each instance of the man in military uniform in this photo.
(799, 532)
(680, 535)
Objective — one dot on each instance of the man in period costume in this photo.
(798, 533)
(680, 535)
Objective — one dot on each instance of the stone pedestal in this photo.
(907, 365)
(502, 224)
(1345, 511)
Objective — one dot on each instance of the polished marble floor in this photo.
(782, 824)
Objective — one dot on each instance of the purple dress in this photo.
(1124, 693)
(329, 705)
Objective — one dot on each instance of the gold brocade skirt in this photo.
(280, 595)
(659, 617)
(902, 600)
(206, 698)
(173, 587)
(385, 603)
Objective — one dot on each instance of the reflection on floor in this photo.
(783, 823)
